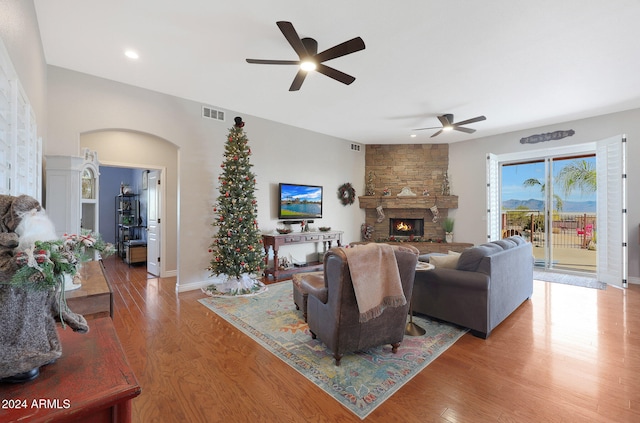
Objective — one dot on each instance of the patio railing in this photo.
(569, 230)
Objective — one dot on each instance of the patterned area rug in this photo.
(568, 279)
(364, 380)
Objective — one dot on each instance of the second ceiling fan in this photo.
(310, 59)
(448, 124)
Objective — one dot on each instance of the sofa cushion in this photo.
(470, 258)
(505, 243)
(518, 239)
(445, 261)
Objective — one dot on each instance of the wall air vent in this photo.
(211, 113)
(356, 147)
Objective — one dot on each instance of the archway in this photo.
(138, 150)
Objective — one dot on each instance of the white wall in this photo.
(467, 166)
(80, 103)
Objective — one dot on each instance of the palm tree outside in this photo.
(578, 174)
(557, 200)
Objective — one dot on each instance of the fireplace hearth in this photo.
(406, 227)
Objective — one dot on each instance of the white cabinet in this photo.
(65, 202)
(63, 193)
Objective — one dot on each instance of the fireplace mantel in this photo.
(417, 202)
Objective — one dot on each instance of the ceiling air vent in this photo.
(211, 113)
(355, 147)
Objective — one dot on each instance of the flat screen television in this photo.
(299, 201)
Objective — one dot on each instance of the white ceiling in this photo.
(520, 63)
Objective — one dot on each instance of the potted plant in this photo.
(447, 225)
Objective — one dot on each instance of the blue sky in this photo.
(302, 192)
(514, 176)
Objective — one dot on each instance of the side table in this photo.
(94, 298)
(413, 329)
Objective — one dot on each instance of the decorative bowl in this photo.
(283, 230)
(324, 228)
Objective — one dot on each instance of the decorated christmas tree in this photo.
(238, 253)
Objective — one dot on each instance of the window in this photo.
(20, 146)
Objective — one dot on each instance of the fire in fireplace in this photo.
(406, 227)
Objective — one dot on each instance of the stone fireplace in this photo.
(406, 227)
(419, 167)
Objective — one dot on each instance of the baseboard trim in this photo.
(192, 286)
(170, 274)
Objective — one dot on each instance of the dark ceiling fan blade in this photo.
(468, 121)
(292, 36)
(273, 62)
(431, 127)
(335, 74)
(461, 129)
(342, 49)
(298, 80)
(436, 134)
(444, 120)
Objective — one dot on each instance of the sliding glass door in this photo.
(569, 202)
(552, 202)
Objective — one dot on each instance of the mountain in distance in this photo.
(567, 206)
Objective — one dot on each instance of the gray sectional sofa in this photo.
(486, 284)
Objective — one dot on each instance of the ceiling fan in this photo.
(448, 124)
(310, 59)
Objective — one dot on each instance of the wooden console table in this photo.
(94, 298)
(276, 241)
(91, 382)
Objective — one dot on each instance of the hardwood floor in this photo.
(568, 355)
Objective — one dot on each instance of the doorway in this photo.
(125, 220)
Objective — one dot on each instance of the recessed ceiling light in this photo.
(413, 135)
(131, 54)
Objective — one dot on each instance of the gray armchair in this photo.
(332, 310)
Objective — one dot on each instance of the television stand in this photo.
(276, 241)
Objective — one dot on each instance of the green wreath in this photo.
(346, 194)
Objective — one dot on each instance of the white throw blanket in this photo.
(376, 279)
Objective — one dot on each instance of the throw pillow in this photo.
(448, 261)
(470, 258)
(426, 257)
(517, 239)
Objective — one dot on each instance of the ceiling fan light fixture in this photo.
(308, 65)
(309, 58)
(447, 128)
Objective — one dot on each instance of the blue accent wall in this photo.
(110, 180)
